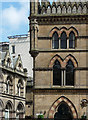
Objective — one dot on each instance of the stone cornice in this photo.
(49, 38)
(60, 90)
(50, 69)
(61, 50)
(60, 19)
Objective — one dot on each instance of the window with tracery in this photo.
(63, 76)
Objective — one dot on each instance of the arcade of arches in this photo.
(7, 110)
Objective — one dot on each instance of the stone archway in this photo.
(63, 99)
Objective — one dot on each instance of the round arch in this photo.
(57, 102)
(9, 103)
(20, 110)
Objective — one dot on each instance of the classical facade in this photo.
(59, 46)
(12, 87)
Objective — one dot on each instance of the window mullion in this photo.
(67, 43)
(64, 77)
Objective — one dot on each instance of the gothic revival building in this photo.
(59, 46)
(12, 87)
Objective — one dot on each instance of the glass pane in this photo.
(63, 40)
(55, 41)
(56, 73)
(71, 40)
(63, 112)
(70, 73)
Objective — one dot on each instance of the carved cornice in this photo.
(57, 19)
(49, 38)
(50, 69)
(60, 90)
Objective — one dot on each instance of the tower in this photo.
(59, 49)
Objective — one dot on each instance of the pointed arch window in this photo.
(8, 111)
(63, 40)
(72, 40)
(70, 73)
(57, 73)
(55, 41)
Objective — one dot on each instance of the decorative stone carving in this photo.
(85, 9)
(59, 10)
(79, 9)
(53, 9)
(74, 9)
(63, 10)
(48, 10)
(69, 9)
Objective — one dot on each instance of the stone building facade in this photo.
(59, 46)
(12, 87)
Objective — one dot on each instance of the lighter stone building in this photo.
(20, 44)
(59, 46)
(12, 87)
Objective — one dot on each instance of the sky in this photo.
(13, 18)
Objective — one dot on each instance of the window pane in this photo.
(63, 40)
(56, 73)
(71, 40)
(13, 49)
(55, 41)
(70, 73)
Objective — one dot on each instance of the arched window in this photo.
(20, 110)
(8, 110)
(20, 86)
(56, 73)
(72, 40)
(70, 73)
(9, 85)
(55, 41)
(63, 40)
